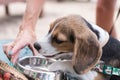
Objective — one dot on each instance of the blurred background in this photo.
(11, 15)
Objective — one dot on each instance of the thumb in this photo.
(14, 57)
(16, 51)
(18, 46)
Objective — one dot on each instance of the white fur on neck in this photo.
(104, 36)
(66, 66)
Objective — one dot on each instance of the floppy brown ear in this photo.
(54, 23)
(87, 52)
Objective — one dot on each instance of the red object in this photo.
(1, 77)
(7, 76)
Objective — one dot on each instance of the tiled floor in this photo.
(9, 25)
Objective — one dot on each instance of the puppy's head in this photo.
(71, 34)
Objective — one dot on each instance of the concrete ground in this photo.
(9, 25)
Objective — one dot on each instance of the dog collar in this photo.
(107, 69)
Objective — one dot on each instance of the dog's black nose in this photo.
(37, 46)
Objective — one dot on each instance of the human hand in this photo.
(24, 38)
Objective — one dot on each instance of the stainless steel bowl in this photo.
(36, 68)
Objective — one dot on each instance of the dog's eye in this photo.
(58, 41)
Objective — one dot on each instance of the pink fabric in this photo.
(5, 2)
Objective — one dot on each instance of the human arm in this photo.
(105, 15)
(26, 35)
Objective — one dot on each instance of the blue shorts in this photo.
(24, 52)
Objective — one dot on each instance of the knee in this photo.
(104, 5)
(101, 8)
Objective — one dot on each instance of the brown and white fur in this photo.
(73, 38)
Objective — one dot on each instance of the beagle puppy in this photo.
(74, 38)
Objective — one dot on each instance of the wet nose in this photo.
(37, 46)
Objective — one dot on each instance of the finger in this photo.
(15, 50)
(18, 46)
(14, 57)
(35, 52)
(7, 48)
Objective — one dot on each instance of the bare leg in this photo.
(105, 15)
